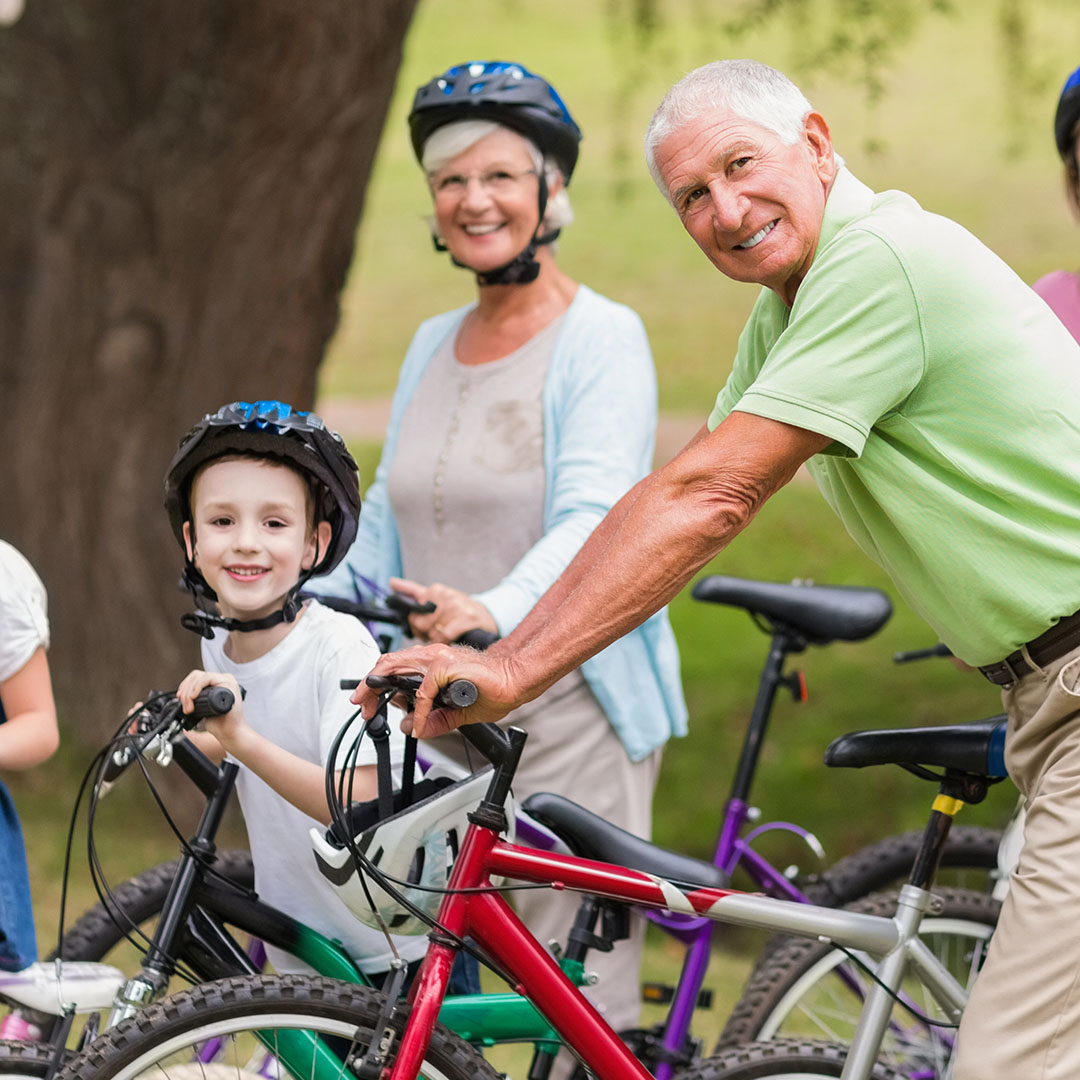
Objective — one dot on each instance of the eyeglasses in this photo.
(496, 182)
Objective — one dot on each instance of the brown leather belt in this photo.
(1062, 637)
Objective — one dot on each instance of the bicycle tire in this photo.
(24, 1059)
(160, 1036)
(97, 932)
(796, 988)
(970, 850)
(781, 1059)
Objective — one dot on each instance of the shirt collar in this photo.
(848, 200)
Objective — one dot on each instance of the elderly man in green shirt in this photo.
(936, 401)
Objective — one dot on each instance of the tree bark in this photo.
(181, 182)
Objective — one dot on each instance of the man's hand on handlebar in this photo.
(441, 665)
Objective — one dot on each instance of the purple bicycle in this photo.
(795, 616)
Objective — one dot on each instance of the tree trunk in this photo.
(181, 182)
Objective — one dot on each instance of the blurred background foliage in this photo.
(950, 101)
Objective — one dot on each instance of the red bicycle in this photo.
(323, 1030)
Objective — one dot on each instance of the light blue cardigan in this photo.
(599, 405)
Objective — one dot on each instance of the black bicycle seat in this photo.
(588, 835)
(820, 613)
(977, 748)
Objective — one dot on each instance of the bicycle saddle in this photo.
(977, 748)
(588, 835)
(820, 613)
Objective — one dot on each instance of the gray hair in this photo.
(446, 142)
(752, 90)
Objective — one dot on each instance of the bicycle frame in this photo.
(488, 919)
(197, 909)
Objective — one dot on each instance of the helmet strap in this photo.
(523, 268)
(203, 622)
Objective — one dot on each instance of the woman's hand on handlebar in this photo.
(455, 612)
(441, 665)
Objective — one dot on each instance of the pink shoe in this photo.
(13, 1026)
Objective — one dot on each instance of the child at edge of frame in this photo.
(28, 736)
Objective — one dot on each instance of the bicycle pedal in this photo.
(657, 993)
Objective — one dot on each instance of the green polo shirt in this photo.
(952, 394)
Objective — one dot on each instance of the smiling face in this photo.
(252, 533)
(487, 201)
(753, 204)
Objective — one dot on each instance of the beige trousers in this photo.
(1023, 1020)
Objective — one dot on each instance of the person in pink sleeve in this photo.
(1061, 288)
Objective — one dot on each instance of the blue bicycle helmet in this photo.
(510, 95)
(506, 93)
(1066, 118)
(269, 429)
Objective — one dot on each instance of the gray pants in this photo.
(1023, 1021)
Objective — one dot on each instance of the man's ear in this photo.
(318, 543)
(189, 542)
(819, 141)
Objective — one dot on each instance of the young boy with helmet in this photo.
(260, 497)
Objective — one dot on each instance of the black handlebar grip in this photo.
(210, 701)
(459, 694)
(406, 605)
(940, 649)
(478, 638)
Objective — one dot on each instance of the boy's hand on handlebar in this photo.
(224, 728)
(441, 665)
(455, 611)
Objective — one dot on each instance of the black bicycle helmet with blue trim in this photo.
(1067, 117)
(274, 430)
(511, 95)
(507, 93)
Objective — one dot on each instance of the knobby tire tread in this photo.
(778, 1058)
(251, 997)
(142, 897)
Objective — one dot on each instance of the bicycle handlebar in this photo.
(489, 739)
(155, 720)
(395, 609)
(940, 649)
(459, 694)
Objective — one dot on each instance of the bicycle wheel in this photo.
(780, 1060)
(139, 899)
(248, 1028)
(808, 988)
(970, 861)
(24, 1059)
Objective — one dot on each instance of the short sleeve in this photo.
(349, 653)
(852, 351)
(24, 625)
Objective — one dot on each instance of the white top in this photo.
(295, 700)
(467, 483)
(24, 625)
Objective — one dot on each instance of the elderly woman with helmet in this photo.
(1061, 288)
(518, 421)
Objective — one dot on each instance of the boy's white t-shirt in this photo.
(24, 626)
(295, 700)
